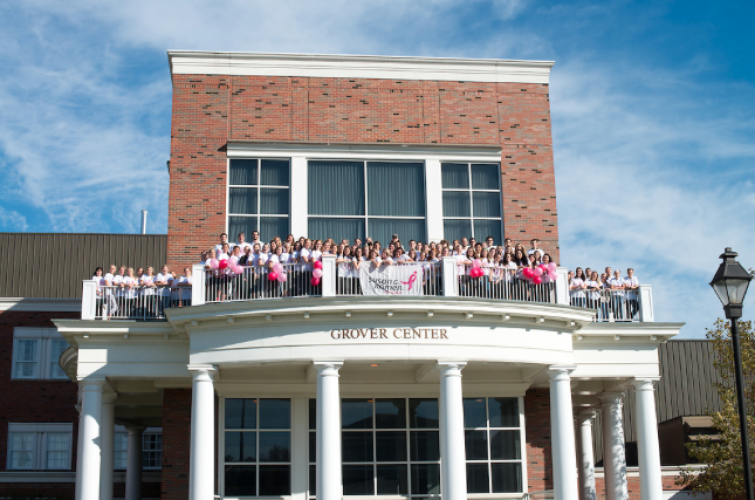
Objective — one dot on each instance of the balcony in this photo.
(442, 279)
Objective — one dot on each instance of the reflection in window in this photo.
(258, 197)
(471, 201)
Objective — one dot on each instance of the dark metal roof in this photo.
(53, 265)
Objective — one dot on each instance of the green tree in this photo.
(724, 476)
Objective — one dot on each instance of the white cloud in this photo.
(12, 220)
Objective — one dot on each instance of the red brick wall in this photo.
(176, 444)
(537, 423)
(208, 111)
(633, 486)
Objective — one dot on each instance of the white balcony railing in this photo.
(441, 279)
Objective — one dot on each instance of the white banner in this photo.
(403, 279)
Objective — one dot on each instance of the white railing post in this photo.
(198, 284)
(562, 286)
(89, 300)
(328, 276)
(449, 277)
(645, 295)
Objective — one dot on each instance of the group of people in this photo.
(609, 293)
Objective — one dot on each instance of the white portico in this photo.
(351, 395)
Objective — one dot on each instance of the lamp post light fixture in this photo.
(730, 284)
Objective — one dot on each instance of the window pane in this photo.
(477, 478)
(505, 445)
(356, 413)
(425, 446)
(275, 480)
(312, 414)
(273, 226)
(240, 480)
(312, 480)
(56, 349)
(456, 204)
(485, 228)
(121, 450)
(507, 478)
(407, 229)
(242, 201)
(474, 413)
(423, 414)
(390, 413)
(57, 450)
(396, 189)
(26, 357)
(357, 480)
(425, 479)
(336, 188)
(22, 446)
(338, 229)
(274, 173)
(485, 175)
(275, 413)
(243, 173)
(357, 446)
(390, 446)
(455, 176)
(456, 229)
(313, 447)
(274, 201)
(486, 204)
(240, 446)
(504, 412)
(240, 413)
(275, 446)
(238, 225)
(392, 480)
(476, 444)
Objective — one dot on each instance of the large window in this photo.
(258, 198)
(355, 199)
(36, 352)
(493, 438)
(152, 447)
(39, 446)
(471, 201)
(257, 447)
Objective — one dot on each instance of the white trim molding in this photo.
(39, 305)
(187, 62)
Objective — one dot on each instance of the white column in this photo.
(562, 286)
(299, 197)
(89, 300)
(614, 456)
(329, 480)
(198, 284)
(453, 467)
(585, 458)
(433, 199)
(645, 296)
(651, 485)
(202, 455)
(563, 447)
(328, 275)
(449, 277)
(134, 462)
(108, 449)
(91, 414)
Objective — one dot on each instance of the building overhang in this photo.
(357, 66)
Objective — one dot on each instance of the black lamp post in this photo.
(730, 284)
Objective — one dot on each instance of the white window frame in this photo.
(121, 431)
(39, 453)
(45, 338)
(471, 191)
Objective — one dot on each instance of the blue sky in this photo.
(653, 109)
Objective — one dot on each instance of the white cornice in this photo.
(185, 62)
(39, 305)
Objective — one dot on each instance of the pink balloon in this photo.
(476, 263)
(553, 276)
(552, 267)
(223, 264)
(538, 271)
(282, 277)
(537, 280)
(214, 263)
(272, 276)
(527, 272)
(314, 281)
(317, 273)
(278, 268)
(317, 265)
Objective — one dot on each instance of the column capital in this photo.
(611, 397)
(560, 372)
(92, 384)
(585, 417)
(644, 383)
(450, 368)
(202, 371)
(327, 368)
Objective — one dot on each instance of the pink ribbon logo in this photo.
(411, 281)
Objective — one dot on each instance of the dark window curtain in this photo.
(486, 204)
(274, 201)
(243, 173)
(455, 176)
(396, 189)
(407, 229)
(507, 477)
(336, 188)
(338, 229)
(485, 228)
(275, 173)
(270, 227)
(238, 225)
(456, 204)
(456, 229)
(242, 201)
(485, 175)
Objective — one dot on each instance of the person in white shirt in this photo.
(631, 285)
(99, 279)
(618, 296)
(536, 248)
(148, 292)
(241, 242)
(223, 241)
(401, 257)
(577, 287)
(130, 285)
(357, 261)
(225, 252)
(256, 238)
(184, 288)
(164, 283)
